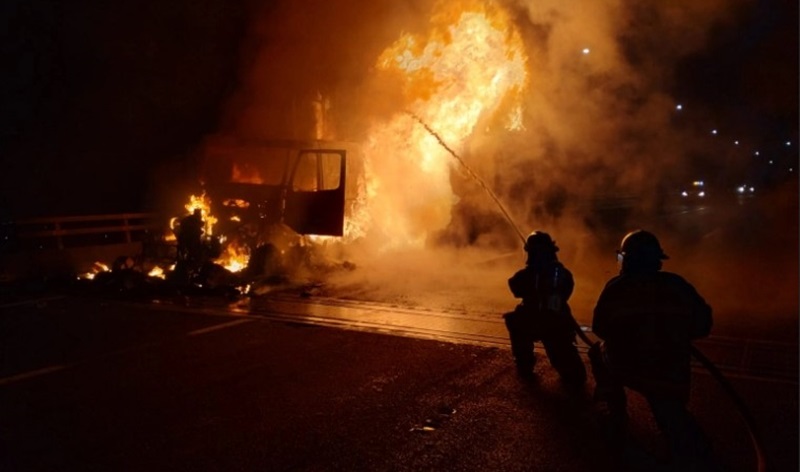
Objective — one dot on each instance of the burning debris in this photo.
(250, 257)
(97, 268)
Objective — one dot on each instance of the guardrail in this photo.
(753, 357)
(62, 246)
(75, 231)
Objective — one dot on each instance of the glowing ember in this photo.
(472, 66)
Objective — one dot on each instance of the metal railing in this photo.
(73, 231)
(753, 357)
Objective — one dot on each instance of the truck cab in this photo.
(258, 185)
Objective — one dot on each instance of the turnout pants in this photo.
(689, 448)
(525, 328)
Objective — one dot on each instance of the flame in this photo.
(471, 67)
(157, 272)
(97, 267)
(235, 257)
(204, 204)
(236, 202)
(170, 236)
(245, 175)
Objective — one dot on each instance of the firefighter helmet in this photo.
(539, 241)
(641, 245)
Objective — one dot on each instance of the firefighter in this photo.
(646, 319)
(544, 285)
(190, 238)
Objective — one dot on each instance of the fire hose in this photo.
(740, 405)
(471, 173)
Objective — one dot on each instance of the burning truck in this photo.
(267, 205)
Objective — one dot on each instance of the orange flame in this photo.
(235, 257)
(97, 268)
(471, 67)
(204, 204)
(157, 272)
(246, 175)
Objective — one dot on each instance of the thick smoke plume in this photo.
(603, 145)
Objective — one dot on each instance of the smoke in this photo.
(300, 57)
(599, 115)
(602, 145)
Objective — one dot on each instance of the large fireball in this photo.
(470, 66)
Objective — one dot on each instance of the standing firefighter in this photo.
(544, 286)
(647, 319)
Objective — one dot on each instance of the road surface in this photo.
(292, 384)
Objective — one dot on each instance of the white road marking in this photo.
(33, 301)
(31, 374)
(55, 368)
(219, 326)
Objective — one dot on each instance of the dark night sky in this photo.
(98, 96)
(749, 72)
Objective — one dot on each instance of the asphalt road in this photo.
(88, 384)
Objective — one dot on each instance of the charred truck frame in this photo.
(266, 194)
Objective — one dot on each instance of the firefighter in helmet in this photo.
(544, 285)
(646, 319)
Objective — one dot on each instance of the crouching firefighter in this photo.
(647, 319)
(544, 315)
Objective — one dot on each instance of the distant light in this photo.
(586, 51)
(736, 142)
(679, 107)
(698, 183)
(713, 131)
(701, 194)
(788, 143)
(684, 193)
(745, 189)
(757, 153)
(770, 162)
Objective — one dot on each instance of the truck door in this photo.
(315, 194)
